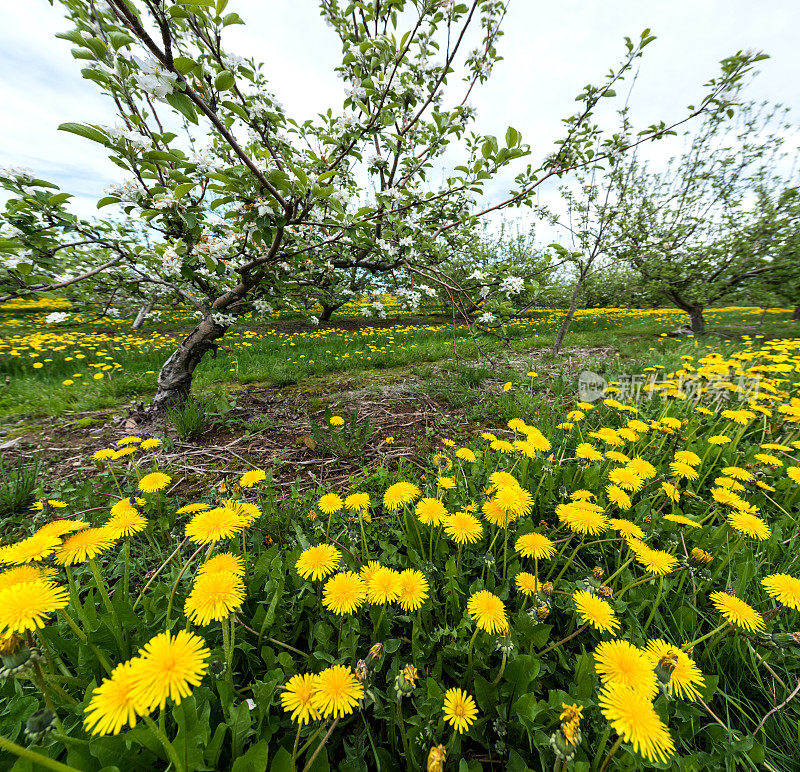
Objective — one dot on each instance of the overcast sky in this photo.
(550, 51)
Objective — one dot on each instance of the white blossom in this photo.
(56, 317)
(223, 320)
(154, 79)
(512, 285)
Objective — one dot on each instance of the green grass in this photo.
(274, 357)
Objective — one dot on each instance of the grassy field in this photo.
(82, 367)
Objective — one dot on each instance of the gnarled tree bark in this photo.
(175, 378)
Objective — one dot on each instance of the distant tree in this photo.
(718, 216)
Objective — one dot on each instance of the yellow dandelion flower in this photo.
(784, 588)
(357, 502)
(430, 511)
(190, 509)
(125, 523)
(595, 611)
(83, 545)
(535, 545)
(526, 583)
(618, 497)
(222, 561)
(737, 612)
(465, 454)
(330, 503)
(633, 717)
(488, 611)
(115, 703)
(336, 692)
(749, 525)
(628, 529)
(344, 593)
(463, 528)
(588, 452)
(682, 520)
(151, 444)
(251, 478)
(296, 698)
(460, 710)
(687, 457)
(719, 439)
(626, 479)
(155, 481)
(683, 470)
(129, 441)
(413, 589)
(383, 586)
(620, 662)
(317, 562)
(655, 561)
(30, 550)
(399, 494)
(58, 528)
(214, 595)
(213, 525)
(169, 666)
(672, 662)
(25, 606)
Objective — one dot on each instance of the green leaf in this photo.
(89, 132)
(184, 64)
(183, 105)
(281, 761)
(255, 760)
(59, 198)
(106, 200)
(181, 190)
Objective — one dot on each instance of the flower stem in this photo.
(611, 753)
(314, 755)
(469, 654)
(655, 605)
(37, 759)
(166, 744)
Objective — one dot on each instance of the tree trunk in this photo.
(696, 320)
(567, 320)
(796, 314)
(175, 378)
(143, 312)
(328, 310)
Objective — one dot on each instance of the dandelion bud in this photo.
(312, 515)
(542, 612)
(39, 724)
(216, 667)
(597, 573)
(547, 588)
(15, 656)
(786, 639)
(700, 557)
(648, 519)
(665, 666)
(606, 591)
(730, 591)
(376, 652)
(436, 758)
(361, 671)
(9, 645)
